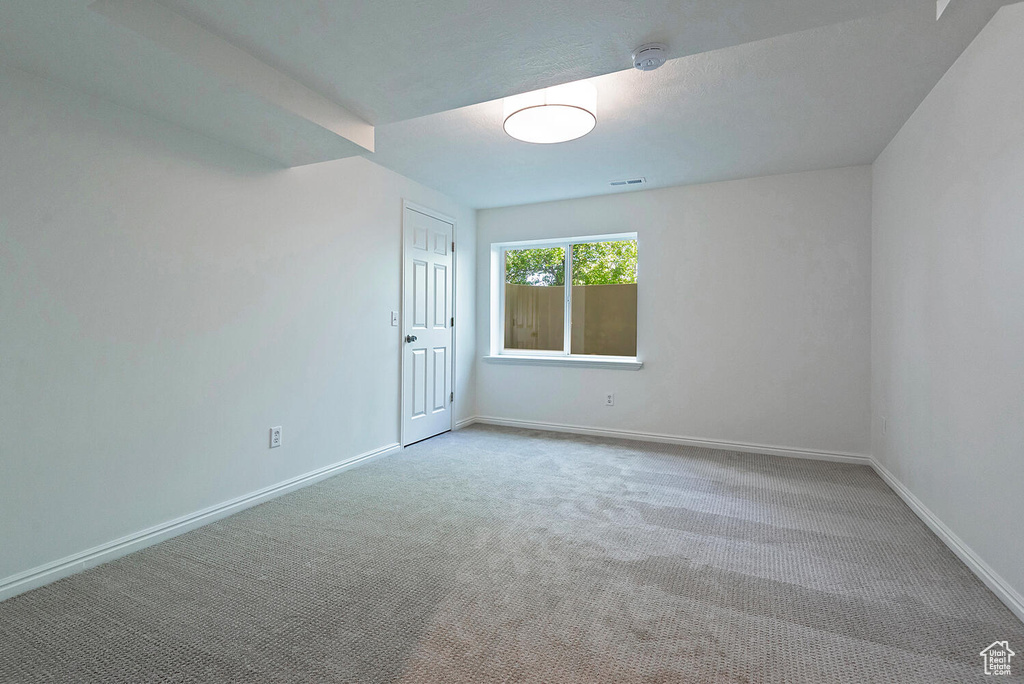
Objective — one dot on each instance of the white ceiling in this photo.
(67, 42)
(769, 86)
(822, 98)
(390, 60)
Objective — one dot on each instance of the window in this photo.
(573, 298)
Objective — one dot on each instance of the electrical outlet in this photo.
(394, 319)
(609, 399)
(275, 437)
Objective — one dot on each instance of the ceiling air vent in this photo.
(628, 182)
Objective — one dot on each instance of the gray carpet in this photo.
(494, 555)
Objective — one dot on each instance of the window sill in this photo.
(606, 362)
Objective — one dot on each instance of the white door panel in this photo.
(426, 327)
(440, 296)
(440, 379)
(419, 382)
(419, 294)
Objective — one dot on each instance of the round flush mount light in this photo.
(553, 115)
(650, 56)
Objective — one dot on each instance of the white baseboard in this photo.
(791, 452)
(51, 572)
(1000, 587)
(465, 422)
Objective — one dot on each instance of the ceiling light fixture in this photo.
(553, 115)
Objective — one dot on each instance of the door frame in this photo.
(408, 205)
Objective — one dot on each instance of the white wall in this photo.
(164, 300)
(753, 313)
(948, 299)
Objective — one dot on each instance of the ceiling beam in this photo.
(238, 68)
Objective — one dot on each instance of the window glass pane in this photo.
(535, 299)
(604, 298)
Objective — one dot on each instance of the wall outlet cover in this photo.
(275, 437)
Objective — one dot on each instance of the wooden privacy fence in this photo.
(603, 318)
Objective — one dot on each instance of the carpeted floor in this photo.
(496, 555)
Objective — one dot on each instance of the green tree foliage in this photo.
(535, 266)
(593, 263)
(604, 263)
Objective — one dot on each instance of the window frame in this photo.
(549, 356)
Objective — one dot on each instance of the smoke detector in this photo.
(650, 56)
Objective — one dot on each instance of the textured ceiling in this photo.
(757, 86)
(822, 98)
(389, 60)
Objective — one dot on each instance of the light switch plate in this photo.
(394, 319)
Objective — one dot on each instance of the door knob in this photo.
(410, 338)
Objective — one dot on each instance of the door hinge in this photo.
(451, 397)
(453, 321)
(453, 245)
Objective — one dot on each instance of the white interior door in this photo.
(426, 326)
